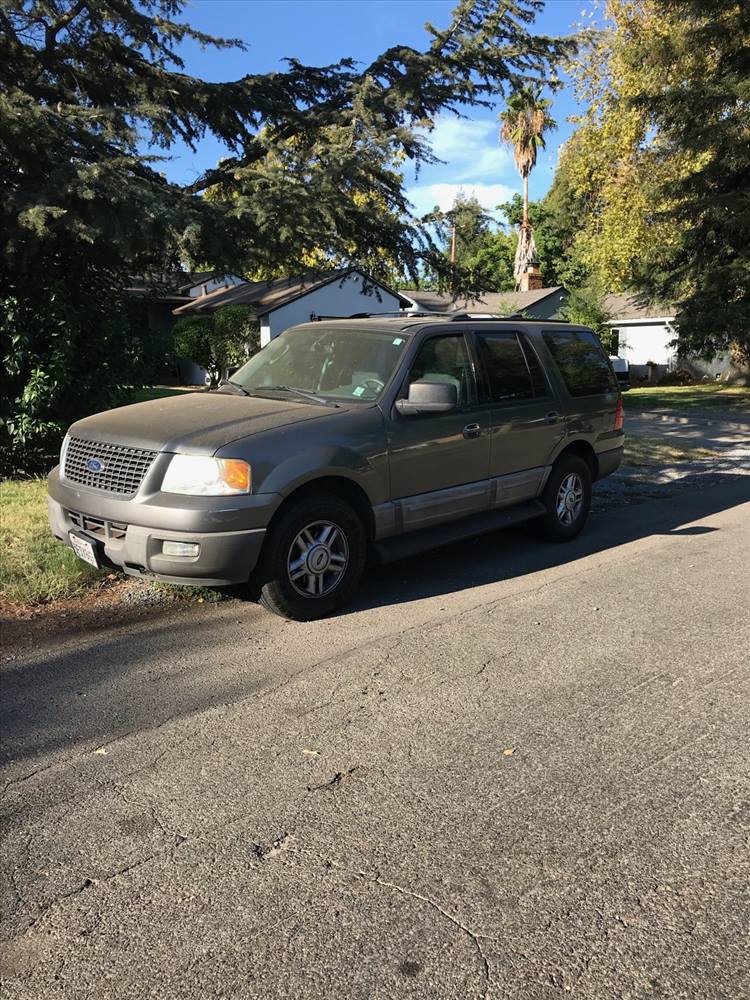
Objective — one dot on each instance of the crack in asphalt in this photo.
(371, 879)
(475, 938)
(335, 782)
(399, 637)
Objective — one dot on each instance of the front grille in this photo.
(121, 468)
(97, 525)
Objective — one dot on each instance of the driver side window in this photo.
(445, 359)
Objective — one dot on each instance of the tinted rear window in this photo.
(506, 368)
(538, 379)
(582, 362)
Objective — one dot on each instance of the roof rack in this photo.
(450, 317)
(396, 314)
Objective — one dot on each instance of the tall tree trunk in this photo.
(525, 199)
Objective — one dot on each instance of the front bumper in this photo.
(129, 534)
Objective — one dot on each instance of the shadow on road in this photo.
(511, 554)
(139, 674)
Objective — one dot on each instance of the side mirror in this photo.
(428, 397)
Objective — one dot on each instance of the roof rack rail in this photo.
(395, 314)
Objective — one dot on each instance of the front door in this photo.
(526, 424)
(440, 462)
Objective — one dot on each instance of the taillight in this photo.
(618, 416)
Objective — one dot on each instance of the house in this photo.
(285, 302)
(536, 303)
(642, 333)
(162, 293)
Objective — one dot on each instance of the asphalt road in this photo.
(512, 771)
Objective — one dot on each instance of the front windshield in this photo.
(334, 363)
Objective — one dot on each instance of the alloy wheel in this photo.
(569, 499)
(317, 559)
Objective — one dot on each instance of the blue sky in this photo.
(318, 32)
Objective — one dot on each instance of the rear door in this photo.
(526, 424)
(439, 462)
(587, 375)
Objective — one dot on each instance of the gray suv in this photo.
(340, 441)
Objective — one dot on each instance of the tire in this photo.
(313, 559)
(567, 497)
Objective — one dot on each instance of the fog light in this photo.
(180, 548)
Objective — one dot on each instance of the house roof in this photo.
(633, 306)
(265, 296)
(174, 285)
(492, 302)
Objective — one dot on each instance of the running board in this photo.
(400, 546)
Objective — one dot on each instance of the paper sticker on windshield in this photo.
(398, 341)
(359, 390)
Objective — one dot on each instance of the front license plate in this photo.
(84, 549)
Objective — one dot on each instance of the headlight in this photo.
(195, 475)
(64, 448)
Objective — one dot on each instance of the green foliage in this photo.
(524, 122)
(313, 167)
(694, 84)
(491, 265)
(652, 191)
(219, 340)
(472, 225)
(585, 306)
(551, 239)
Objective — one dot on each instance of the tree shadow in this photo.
(514, 553)
(139, 674)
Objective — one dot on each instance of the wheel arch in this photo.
(584, 450)
(342, 487)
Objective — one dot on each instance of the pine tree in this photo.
(85, 86)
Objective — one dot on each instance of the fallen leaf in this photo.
(311, 753)
(508, 752)
(102, 750)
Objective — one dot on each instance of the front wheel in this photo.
(567, 497)
(314, 558)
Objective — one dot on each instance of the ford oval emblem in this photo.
(94, 465)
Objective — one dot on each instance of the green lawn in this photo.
(641, 450)
(34, 566)
(708, 396)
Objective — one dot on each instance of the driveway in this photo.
(512, 771)
(703, 429)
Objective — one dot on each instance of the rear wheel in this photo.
(314, 558)
(567, 497)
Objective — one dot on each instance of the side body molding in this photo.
(425, 510)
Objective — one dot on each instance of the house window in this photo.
(614, 343)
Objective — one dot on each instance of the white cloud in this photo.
(470, 148)
(425, 197)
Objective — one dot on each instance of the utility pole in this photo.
(453, 246)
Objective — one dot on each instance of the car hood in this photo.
(194, 422)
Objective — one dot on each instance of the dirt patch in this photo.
(117, 600)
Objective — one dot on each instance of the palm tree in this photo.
(524, 123)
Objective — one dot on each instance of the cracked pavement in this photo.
(513, 770)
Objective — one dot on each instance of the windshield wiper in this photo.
(235, 385)
(303, 393)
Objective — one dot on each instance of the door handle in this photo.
(472, 431)
(552, 417)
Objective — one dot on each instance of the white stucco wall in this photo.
(646, 340)
(337, 298)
